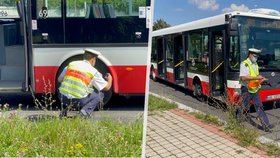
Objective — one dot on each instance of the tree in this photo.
(160, 24)
(7, 3)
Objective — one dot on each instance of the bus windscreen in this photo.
(262, 34)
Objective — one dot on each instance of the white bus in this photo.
(38, 38)
(204, 55)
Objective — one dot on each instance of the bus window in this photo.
(262, 34)
(234, 54)
(169, 51)
(8, 9)
(198, 51)
(178, 57)
(78, 8)
(48, 8)
(49, 28)
(154, 51)
(105, 21)
(103, 9)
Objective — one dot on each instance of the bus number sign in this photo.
(3, 13)
(43, 13)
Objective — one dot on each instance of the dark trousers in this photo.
(89, 103)
(255, 97)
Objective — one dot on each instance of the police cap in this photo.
(255, 51)
(93, 52)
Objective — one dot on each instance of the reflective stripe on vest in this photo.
(253, 85)
(76, 81)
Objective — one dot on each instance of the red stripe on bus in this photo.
(47, 73)
(266, 94)
(156, 72)
(129, 79)
(170, 77)
(126, 79)
(205, 88)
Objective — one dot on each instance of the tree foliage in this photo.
(7, 3)
(118, 4)
(160, 24)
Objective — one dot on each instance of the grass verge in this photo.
(246, 136)
(209, 119)
(76, 137)
(158, 104)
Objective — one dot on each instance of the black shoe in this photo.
(271, 126)
(268, 128)
(84, 114)
(63, 113)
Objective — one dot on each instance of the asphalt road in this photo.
(185, 97)
(118, 108)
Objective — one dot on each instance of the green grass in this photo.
(246, 136)
(272, 150)
(69, 137)
(209, 119)
(158, 104)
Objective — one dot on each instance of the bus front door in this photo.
(160, 59)
(217, 64)
(179, 60)
(13, 47)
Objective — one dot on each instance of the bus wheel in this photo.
(103, 69)
(197, 92)
(153, 74)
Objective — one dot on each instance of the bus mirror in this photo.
(233, 24)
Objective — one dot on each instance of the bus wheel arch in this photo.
(100, 66)
(198, 89)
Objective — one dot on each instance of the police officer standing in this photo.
(79, 79)
(250, 84)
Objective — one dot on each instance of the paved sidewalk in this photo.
(171, 135)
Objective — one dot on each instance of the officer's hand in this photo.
(264, 79)
(260, 77)
(108, 77)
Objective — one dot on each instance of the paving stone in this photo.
(170, 135)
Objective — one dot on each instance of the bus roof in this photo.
(208, 22)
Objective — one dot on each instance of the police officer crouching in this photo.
(79, 79)
(250, 84)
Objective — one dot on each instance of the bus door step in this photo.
(216, 93)
(161, 76)
(220, 98)
(179, 82)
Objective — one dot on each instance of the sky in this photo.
(176, 12)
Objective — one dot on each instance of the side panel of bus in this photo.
(62, 29)
(129, 75)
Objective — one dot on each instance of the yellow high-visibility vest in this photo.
(253, 85)
(76, 80)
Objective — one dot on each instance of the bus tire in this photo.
(103, 69)
(197, 92)
(153, 74)
(100, 66)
